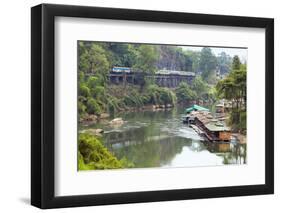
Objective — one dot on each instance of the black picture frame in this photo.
(43, 102)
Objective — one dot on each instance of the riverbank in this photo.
(89, 119)
(113, 99)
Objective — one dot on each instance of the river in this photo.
(160, 139)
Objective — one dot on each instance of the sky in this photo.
(241, 52)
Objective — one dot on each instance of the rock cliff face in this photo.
(173, 58)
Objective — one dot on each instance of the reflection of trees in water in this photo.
(132, 135)
(151, 152)
(150, 115)
(231, 153)
(149, 147)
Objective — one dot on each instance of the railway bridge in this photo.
(163, 78)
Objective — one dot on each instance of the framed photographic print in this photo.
(140, 106)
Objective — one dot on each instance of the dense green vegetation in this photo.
(97, 96)
(233, 88)
(205, 63)
(97, 58)
(93, 155)
(198, 90)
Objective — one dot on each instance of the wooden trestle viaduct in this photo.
(163, 78)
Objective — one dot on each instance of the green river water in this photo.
(160, 139)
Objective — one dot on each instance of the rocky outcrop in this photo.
(116, 121)
(104, 116)
(96, 132)
(88, 119)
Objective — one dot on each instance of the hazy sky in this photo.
(242, 53)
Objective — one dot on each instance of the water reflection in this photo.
(159, 139)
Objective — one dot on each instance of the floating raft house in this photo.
(211, 128)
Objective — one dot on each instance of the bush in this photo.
(81, 108)
(93, 81)
(93, 155)
(112, 104)
(200, 87)
(153, 94)
(93, 107)
(81, 163)
(84, 90)
(166, 96)
(129, 101)
(134, 99)
(98, 92)
(184, 93)
(160, 95)
(145, 99)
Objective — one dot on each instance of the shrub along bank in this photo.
(92, 154)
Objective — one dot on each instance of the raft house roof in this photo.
(217, 127)
(196, 108)
(211, 123)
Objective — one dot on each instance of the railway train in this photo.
(122, 69)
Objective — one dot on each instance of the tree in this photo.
(195, 60)
(226, 88)
(93, 60)
(147, 56)
(224, 63)
(184, 93)
(93, 107)
(199, 86)
(236, 63)
(84, 90)
(233, 88)
(207, 63)
(123, 55)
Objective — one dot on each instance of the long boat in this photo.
(209, 127)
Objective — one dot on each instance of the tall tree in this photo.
(123, 55)
(200, 87)
(207, 63)
(224, 63)
(195, 60)
(233, 88)
(146, 58)
(93, 60)
(236, 63)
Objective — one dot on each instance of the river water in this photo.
(160, 139)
